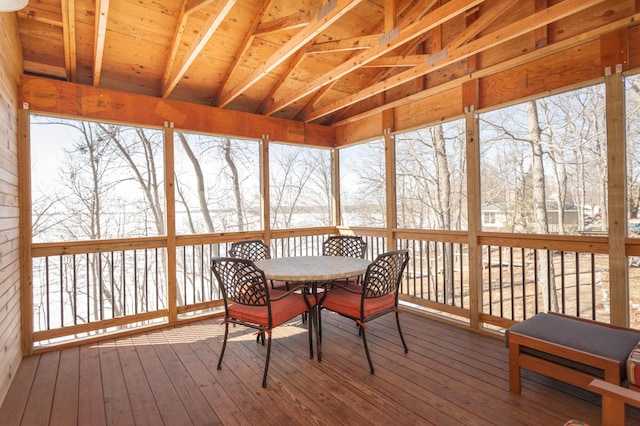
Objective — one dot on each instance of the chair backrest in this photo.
(241, 281)
(344, 245)
(384, 274)
(252, 249)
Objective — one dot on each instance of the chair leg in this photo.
(266, 364)
(260, 336)
(224, 344)
(366, 349)
(317, 318)
(311, 333)
(406, 349)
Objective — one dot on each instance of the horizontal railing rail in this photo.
(83, 289)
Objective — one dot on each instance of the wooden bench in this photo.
(570, 349)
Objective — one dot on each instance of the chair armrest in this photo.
(337, 284)
(609, 390)
(279, 294)
(614, 400)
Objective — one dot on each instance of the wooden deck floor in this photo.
(451, 376)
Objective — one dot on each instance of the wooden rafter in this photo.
(397, 61)
(410, 13)
(389, 15)
(406, 34)
(293, 63)
(188, 8)
(500, 67)
(297, 20)
(246, 43)
(541, 33)
(191, 6)
(480, 24)
(69, 37)
(102, 15)
(539, 19)
(179, 69)
(355, 43)
(43, 16)
(317, 96)
(175, 42)
(308, 33)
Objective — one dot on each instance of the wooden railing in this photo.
(85, 289)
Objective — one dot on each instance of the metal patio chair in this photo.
(378, 297)
(249, 302)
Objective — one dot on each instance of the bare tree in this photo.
(200, 186)
(297, 185)
(545, 268)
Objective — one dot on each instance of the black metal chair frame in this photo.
(383, 277)
(345, 245)
(257, 250)
(244, 283)
(251, 249)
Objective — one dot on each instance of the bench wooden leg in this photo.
(514, 369)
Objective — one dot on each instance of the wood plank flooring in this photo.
(451, 376)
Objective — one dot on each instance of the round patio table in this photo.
(313, 270)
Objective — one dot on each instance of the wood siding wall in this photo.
(10, 70)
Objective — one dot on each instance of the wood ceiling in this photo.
(306, 60)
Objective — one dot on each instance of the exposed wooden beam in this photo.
(286, 23)
(175, 42)
(69, 38)
(397, 61)
(308, 33)
(537, 20)
(45, 69)
(410, 14)
(542, 36)
(40, 15)
(475, 28)
(100, 33)
(246, 43)
(215, 19)
(532, 56)
(406, 34)
(355, 43)
(481, 23)
(293, 63)
(389, 15)
(191, 6)
(317, 96)
(62, 98)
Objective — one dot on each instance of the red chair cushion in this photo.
(348, 304)
(281, 310)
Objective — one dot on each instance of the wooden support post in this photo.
(265, 200)
(390, 168)
(617, 211)
(170, 222)
(474, 224)
(614, 48)
(26, 263)
(336, 219)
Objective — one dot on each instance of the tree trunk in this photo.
(226, 147)
(202, 195)
(547, 281)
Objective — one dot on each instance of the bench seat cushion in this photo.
(592, 338)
